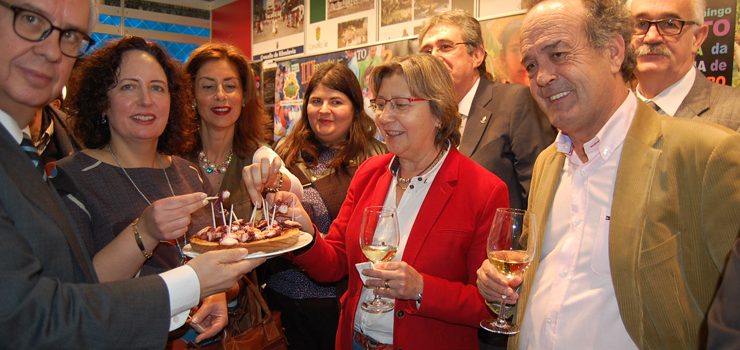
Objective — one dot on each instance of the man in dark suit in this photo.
(667, 36)
(724, 315)
(502, 128)
(51, 297)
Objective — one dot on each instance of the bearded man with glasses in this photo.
(667, 35)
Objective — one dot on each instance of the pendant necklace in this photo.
(403, 182)
(125, 173)
(210, 167)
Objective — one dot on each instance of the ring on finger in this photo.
(386, 284)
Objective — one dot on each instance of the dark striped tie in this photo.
(30, 150)
(654, 106)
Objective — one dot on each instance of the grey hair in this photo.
(470, 27)
(699, 7)
(603, 19)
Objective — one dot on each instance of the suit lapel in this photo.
(549, 180)
(433, 205)
(478, 118)
(544, 186)
(697, 101)
(377, 196)
(41, 194)
(629, 207)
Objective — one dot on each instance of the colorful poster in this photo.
(274, 19)
(715, 59)
(395, 11)
(344, 28)
(352, 33)
(402, 18)
(278, 27)
(339, 8)
(428, 8)
(501, 41)
(292, 76)
(268, 86)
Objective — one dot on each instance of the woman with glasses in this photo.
(135, 203)
(332, 138)
(445, 203)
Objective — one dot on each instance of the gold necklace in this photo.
(211, 167)
(403, 182)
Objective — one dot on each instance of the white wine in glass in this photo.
(511, 246)
(379, 237)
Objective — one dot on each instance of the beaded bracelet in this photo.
(278, 186)
(147, 254)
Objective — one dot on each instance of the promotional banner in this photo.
(715, 59)
(277, 28)
(292, 76)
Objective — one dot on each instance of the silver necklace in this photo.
(125, 173)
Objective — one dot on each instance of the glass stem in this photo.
(376, 297)
(501, 322)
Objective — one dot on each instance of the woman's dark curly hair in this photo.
(251, 127)
(98, 73)
(360, 143)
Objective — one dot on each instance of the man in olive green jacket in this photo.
(636, 212)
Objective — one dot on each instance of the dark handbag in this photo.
(252, 325)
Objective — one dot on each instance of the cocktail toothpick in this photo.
(274, 209)
(223, 216)
(213, 215)
(231, 216)
(254, 215)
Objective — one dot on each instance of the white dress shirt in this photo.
(464, 106)
(182, 283)
(670, 99)
(380, 326)
(572, 301)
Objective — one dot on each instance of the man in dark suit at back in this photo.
(502, 129)
(667, 36)
(51, 298)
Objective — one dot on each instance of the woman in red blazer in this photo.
(445, 204)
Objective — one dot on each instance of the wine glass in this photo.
(379, 236)
(511, 247)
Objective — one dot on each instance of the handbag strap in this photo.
(254, 292)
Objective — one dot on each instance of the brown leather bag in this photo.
(253, 326)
